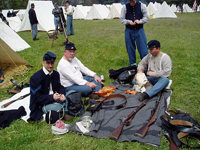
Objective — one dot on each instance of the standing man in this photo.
(158, 67)
(69, 13)
(74, 75)
(33, 21)
(46, 91)
(56, 12)
(134, 15)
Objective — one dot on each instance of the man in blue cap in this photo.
(56, 12)
(33, 21)
(74, 75)
(158, 67)
(134, 16)
(46, 91)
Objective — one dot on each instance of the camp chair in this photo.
(50, 34)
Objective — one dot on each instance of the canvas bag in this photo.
(75, 104)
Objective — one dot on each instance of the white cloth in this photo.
(72, 72)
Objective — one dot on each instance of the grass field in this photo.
(100, 46)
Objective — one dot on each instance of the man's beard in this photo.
(71, 58)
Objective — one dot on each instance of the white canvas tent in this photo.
(14, 22)
(187, 8)
(115, 11)
(21, 13)
(10, 42)
(43, 10)
(164, 12)
(81, 12)
(151, 9)
(173, 8)
(97, 11)
(157, 5)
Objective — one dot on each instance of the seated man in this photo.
(46, 91)
(158, 67)
(74, 75)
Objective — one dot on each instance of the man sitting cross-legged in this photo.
(158, 67)
(46, 91)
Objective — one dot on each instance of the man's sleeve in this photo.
(143, 65)
(60, 88)
(37, 92)
(145, 17)
(123, 19)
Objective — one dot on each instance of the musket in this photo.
(20, 98)
(117, 132)
(64, 29)
(143, 130)
(55, 35)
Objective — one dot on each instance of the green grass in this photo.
(100, 46)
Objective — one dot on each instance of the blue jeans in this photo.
(138, 36)
(56, 21)
(58, 105)
(70, 27)
(158, 85)
(34, 30)
(84, 89)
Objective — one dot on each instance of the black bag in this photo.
(127, 76)
(75, 104)
(94, 106)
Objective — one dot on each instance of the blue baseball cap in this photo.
(153, 43)
(32, 4)
(70, 46)
(49, 57)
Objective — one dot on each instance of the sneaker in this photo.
(67, 117)
(143, 96)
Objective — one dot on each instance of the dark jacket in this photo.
(134, 13)
(39, 89)
(32, 17)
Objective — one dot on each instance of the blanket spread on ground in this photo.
(105, 121)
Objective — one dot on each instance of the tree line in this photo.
(21, 4)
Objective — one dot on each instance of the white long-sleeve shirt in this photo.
(72, 72)
(69, 10)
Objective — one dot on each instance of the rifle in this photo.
(117, 132)
(67, 40)
(20, 98)
(55, 35)
(143, 131)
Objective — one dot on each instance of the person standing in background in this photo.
(33, 21)
(69, 13)
(134, 15)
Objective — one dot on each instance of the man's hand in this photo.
(62, 97)
(150, 73)
(97, 78)
(91, 84)
(137, 21)
(56, 96)
(140, 71)
(132, 23)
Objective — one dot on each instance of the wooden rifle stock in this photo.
(64, 29)
(143, 131)
(55, 35)
(117, 132)
(21, 97)
(172, 144)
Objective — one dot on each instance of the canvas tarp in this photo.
(106, 121)
(10, 42)
(43, 10)
(164, 12)
(97, 11)
(115, 10)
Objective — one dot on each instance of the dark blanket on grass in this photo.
(108, 120)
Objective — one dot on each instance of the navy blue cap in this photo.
(70, 46)
(49, 57)
(32, 4)
(153, 43)
(68, 2)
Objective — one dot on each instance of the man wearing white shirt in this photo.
(69, 13)
(74, 75)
